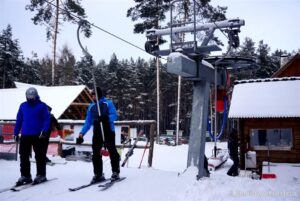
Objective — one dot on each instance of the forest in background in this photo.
(130, 83)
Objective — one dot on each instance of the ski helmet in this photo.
(31, 93)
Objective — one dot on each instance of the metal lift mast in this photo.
(186, 59)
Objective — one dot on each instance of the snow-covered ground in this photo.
(165, 181)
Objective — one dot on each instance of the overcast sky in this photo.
(276, 22)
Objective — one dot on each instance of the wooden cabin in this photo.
(67, 102)
(267, 113)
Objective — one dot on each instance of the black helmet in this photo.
(31, 93)
(99, 92)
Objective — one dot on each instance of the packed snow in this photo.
(167, 180)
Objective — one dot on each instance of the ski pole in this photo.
(93, 75)
(144, 153)
(12, 147)
(17, 150)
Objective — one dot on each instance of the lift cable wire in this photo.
(97, 27)
(110, 33)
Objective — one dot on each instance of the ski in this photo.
(52, 163)
(25, 186)
(110, 183)
(6, 189)
(56, 163)
(86, 185)
(12, 187)
(130, 151)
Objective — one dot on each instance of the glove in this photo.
(79, 140)
(43, 135)
(60, 133)
(103, 118)
(16, 138)
(104, 152)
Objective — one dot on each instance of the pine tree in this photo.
(11, 59)
(65, 67)
(266, 69)
(150, 11)
(49, 14)
(146, 74)
(111, 81)
(45, 72)
(31, 71)
(83, 71)
(247, 49)
(100, 73)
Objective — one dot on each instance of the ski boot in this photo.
(24, 180)
(115, 176)
(48, 160)
(39, 179)
(97, 178)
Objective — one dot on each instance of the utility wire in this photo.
(114, 35)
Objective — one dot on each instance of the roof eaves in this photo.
(267, 80)
(262, 117)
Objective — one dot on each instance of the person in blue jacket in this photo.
(33, 120)
(108, 116)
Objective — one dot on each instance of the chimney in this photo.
(283, 60)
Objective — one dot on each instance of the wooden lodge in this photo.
(267, 114)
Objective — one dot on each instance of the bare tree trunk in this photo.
(55, 41)
(186, 10)
(3, 84)
(157, 88)
(178, 109)
(158, 100)
(3, 76)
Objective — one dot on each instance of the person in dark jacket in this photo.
(108, 116)
(233, 145)
(54, 125)
(33, 120)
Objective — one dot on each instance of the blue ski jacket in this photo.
(32, 118)
(107, 108)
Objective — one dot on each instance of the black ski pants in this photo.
(97, 145)
(234, 169)
(26, 143)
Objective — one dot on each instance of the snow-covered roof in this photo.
(266, 98)
(59, 98)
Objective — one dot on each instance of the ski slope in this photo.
(165, 181)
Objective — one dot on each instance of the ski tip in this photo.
(14, 190)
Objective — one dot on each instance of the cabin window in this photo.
(273, 139)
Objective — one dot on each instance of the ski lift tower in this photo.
(186, 59)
